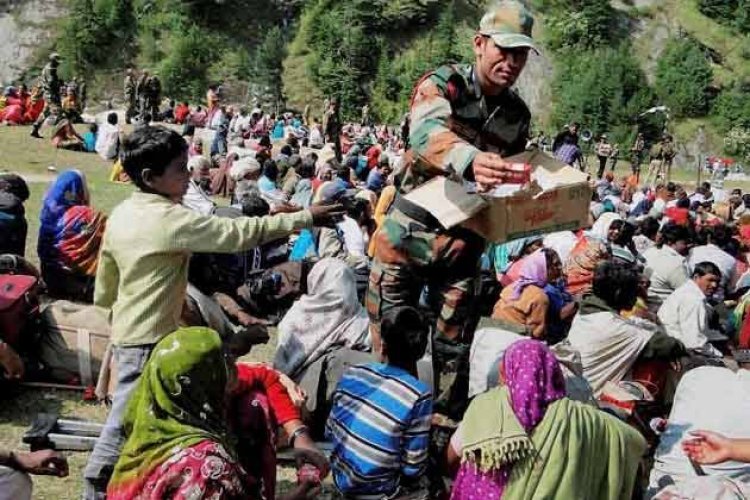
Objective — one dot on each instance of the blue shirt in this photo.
(375, 180)
(379, 425)
(89, 142)
(568, 153)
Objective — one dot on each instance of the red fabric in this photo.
(252, 377)
(12, 114)
(744, 339)
(205, 467)
(373, 156)
(181, 113)
(680, 216)
(745, 234)
(33, 111)
(652, 374)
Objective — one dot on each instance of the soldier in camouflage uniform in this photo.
(50, 83)
(464, 120)
(130, 95)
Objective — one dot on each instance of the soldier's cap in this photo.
(54, 56)
(509, 24)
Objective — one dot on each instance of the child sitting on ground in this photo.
(89, 139)
(143, 266)
(380, 419)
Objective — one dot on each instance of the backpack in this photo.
(19, 306)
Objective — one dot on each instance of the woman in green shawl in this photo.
(526, 440)
(178, 443)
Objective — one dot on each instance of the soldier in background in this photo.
(333, 127)
(636, 155)
(464, 120)
(140, 92)
(129, 91)
(153, 96)
(50, 84)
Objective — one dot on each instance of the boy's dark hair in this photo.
(649, 227)
(286, 150)
(703, 268)
(150, 147)
(404, 333)
(93, 128)
(616, 284)
(254, 206)
(112, 118)
(683, 203)
(307, 169)
(271, 170)
(672, 233)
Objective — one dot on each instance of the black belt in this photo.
(416, 212)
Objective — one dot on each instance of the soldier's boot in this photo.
(35, 131)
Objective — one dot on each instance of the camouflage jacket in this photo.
(50, 84)
(451, 121)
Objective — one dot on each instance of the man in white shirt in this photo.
(196, 198)
(667, 264)
(712, 240)
(685, 313)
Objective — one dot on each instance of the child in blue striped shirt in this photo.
(380, 420)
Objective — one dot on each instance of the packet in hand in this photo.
(518, 173)
(308, 473)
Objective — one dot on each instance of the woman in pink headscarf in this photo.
(524, 302)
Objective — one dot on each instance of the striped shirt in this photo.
(379, 426)
(143, 265)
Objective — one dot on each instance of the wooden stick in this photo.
(49, 385)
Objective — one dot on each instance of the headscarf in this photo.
(496, 427)
(177, 404)
(71, 232)
(370, 197)
(509, 251)
(534, 380)
(243, 166)
(533, 272)
(600, 229)
(330, 314)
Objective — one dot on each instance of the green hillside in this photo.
(603, 64)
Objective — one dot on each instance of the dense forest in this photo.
(610, 60)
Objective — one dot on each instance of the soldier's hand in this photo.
(326, 215)
(489, 169)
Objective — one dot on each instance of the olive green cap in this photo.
(509, 24)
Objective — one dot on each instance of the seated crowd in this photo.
(589, 335)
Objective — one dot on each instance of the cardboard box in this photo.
(557, 199)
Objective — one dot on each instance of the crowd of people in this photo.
(606, 362)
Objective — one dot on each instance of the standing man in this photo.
(603, 152)
(333, 127)
(636, 153)
(141, 92)
(153, 96)
(571, 131)
(464, 120)
(50, 84)
(129, 89)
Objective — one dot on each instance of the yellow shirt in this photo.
(143, 266)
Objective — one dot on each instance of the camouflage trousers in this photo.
(410, 255)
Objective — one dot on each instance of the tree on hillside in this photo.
(97, 33)
(683, 78)
(718, 9)
(732, 108)
(580, 23)
(604, 90)
(267, 67)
